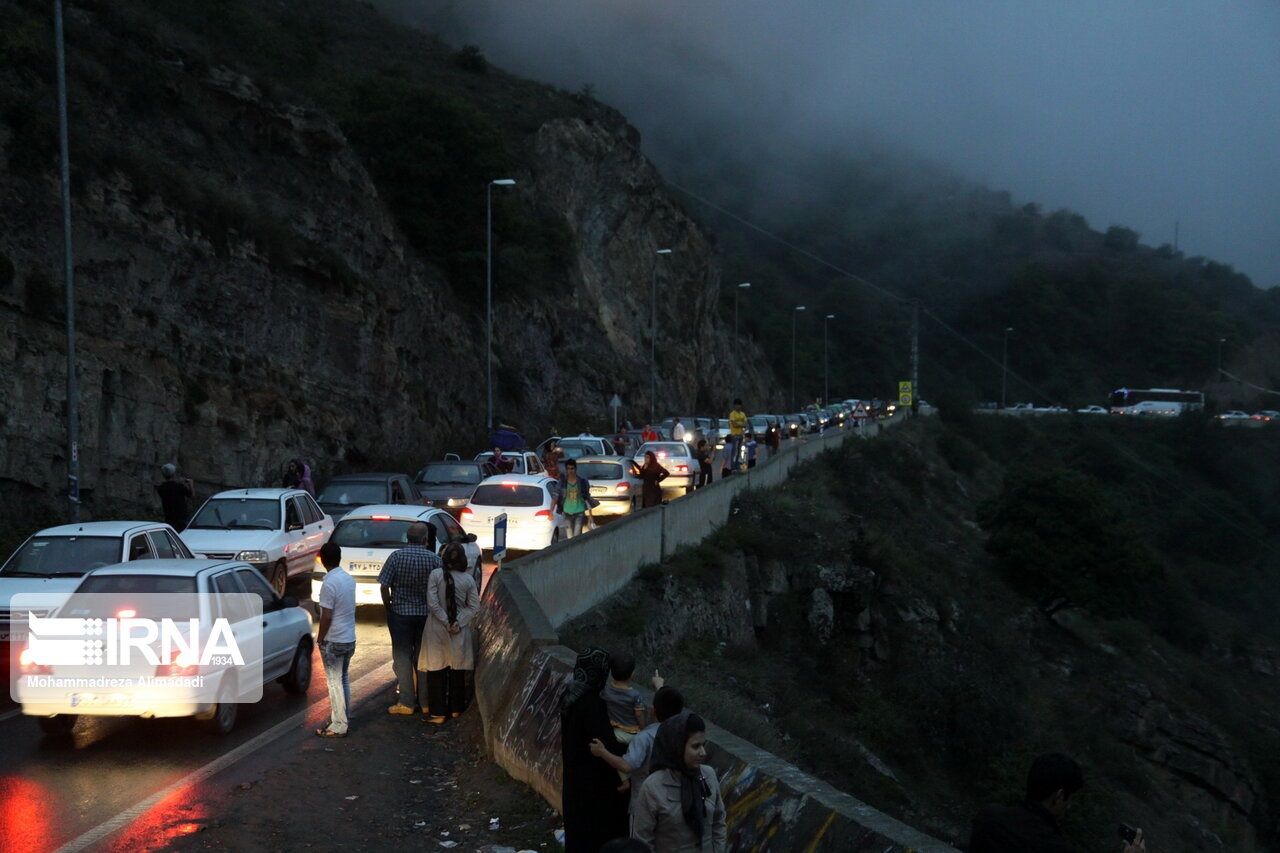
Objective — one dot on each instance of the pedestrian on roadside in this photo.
(404, 580)
(677, 431)
(336, 637)
(620, 444)
(752, 446)
(650, 434)
(651, 475)
(447, 653)
(173, 497)
(737, 428)
(704, 455)
(680, 809)
(593, 808)
(551, 459)
(574, 500)
(667, 702)
(297, 475)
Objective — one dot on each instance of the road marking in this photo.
(364, 686)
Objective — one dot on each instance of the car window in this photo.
(226, 584)
(496, 494)
(140, 548)
(63, 555)
(354, 492)
(397, 492)
(454, 528)
(533, 465)
(311, 509)
(179, 549)
(254, 584)
(450, 474)
(442, 532)
(292, 515)
(163, 547)
(229, 513)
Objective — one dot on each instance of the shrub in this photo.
(470, 58)
(1120, 239)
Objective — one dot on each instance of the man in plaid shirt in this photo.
(404, 593)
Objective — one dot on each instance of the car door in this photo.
(243, 623)
(295, 532)
(277, 638)
(319, 526)
(139, 548)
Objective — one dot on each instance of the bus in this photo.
(1155, 401)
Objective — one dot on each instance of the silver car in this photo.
(613, 483)
(677, 458)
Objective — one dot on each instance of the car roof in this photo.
(260, 494)
(99, 528)
(173, 568)
(584, 435)
(506, 452)
(378, 475)
(400, 512)
(615, 460)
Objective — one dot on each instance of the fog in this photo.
(1142, 114)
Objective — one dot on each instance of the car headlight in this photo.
(252, 556)
(457, 501)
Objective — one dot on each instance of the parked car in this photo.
(448, 484)
(345, 492)
(54, 560)
(612, 483)
(523, 461)
(369, 534)
(278, 531)
(1264, 416)
(758, 424)
(1233, 416)
(576, 446)
(677, 458)
(1094, 410)
(529, 501)
(286, 648)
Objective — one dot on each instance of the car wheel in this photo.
(59, 725)
(222, 719)
(279, 577)
(298, 678)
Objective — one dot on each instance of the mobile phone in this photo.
(1128, 834)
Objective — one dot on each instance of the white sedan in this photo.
(370, 534)
(529, 502)
(677, 458)
(1234, 416)
(1093, 410)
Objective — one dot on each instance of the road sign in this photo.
(500, 538)
(904, 393)
(614, 404)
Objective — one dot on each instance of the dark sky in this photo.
(1135, 113)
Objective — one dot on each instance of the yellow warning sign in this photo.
(904, 393)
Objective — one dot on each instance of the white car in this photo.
(1093, 410)
(279, 531)
(1235, 415)
(370, 534)
(523, 461)
(529, 501)
(677, 458)
(54, 559)
(612, 483)
(1158, 407)
(574, 446)
(286, 648)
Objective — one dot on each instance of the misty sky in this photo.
(1139, 113)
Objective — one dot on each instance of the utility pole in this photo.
(746, 285)
(915, 356)
(69, 280)
(1004, 372)
(1221, 341)
(488, 295)
(795, 312)
(1177, 226)
(653, 340)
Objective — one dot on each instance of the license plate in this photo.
(599, 490)
(366, 568)
(12, 635)
(100, 700)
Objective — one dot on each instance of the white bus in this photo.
(1155, 401)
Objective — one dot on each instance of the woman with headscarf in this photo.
(680, 809)
(447, 652)
(651, 475)
(594, 810)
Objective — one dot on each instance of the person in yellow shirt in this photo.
(737, 429)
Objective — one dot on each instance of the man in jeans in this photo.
(336, 637)
(403, 580)
(575, 499)
(733, 444)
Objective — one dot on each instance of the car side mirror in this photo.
(470, 537)
(288, 601)
(293, 525)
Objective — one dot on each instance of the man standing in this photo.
(575, 499)
(173, 496)
(737, 428)
(336, 637)
(403, 581)
(677, 431)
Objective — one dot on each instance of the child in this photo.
(752, 446)
(626, 706)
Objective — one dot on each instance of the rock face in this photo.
(229, 352)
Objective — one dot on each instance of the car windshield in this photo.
(62, 556)
(238, 514)
(450, 474)
(600, 470)
(89, 597)
(354, 493)
(666, 448)
(508, 494)
(514, 459)
(371, 533)
(578, 449)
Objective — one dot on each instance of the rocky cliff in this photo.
(245, 293)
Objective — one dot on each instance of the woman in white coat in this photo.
(447, 652)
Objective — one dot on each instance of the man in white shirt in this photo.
(336, 637)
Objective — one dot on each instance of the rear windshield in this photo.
(578, 449)
(354, 493)
(371, 533)
(62, 556)
(496, 494)
(666, 449)
(600, 470)
(120, 588)
(238, 514)
(449, 474)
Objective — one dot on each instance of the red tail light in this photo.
(380, 517)
(623, 487)
(542, 513)
(180, 663)
(683, 469)
(27, 667)
(466, 510)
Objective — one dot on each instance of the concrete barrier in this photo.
(522, 672)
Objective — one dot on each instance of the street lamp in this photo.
(488, 293)
(794, 313)
(73, 386)
(826, 390)
(653, 339)
(1004, 372)
(746, 285)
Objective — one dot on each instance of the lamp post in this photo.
(746, 285)
(1221, 341)
(794, 314)
(73, 386)
(488, 294)
(826, 389)
(653, 339)
(1004, 371)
